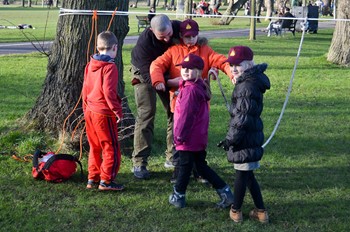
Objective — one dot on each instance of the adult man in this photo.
(152, 43)
(280, 23)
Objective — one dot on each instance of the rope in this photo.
(215, 76)
(113, 14)
(303, 27)
(64, 11)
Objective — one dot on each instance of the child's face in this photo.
(237, 70)
(190, 40)
(188, 74)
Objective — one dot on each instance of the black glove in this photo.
(225, 144)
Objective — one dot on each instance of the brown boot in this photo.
(236, 215)
(260, 215)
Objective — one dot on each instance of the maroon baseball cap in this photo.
(192, 61)
(238, 54)
(189, 27)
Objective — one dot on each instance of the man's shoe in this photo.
(141, 172)
(259, 215)
(91, 184)
(169, 164)
(177, 199)
(226, 197)
(110, 186)
(236, 215)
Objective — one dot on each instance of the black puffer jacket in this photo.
(245, 135)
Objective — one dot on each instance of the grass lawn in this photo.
(304, 176)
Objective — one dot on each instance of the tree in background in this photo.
(232, 9)
(339, 51)
(65, 70)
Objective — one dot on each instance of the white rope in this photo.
(303, 28)
(64, 11)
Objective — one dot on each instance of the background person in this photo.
(280, 23)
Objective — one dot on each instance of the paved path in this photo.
(27, 47)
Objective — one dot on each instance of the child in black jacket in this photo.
(245, 134)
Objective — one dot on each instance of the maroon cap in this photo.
(238, 54)
(189, 27)
(192, 61)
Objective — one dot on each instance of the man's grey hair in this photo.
(160, 23)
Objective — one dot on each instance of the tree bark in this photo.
(232, 9)
(65, 70)
(339, 51)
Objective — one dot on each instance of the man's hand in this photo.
(160, 87)
(225, 144)
(119, 118)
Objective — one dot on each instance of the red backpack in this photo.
(54, 167)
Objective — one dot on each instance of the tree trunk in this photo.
(339, 51)
(23, 3)
(269, 8)
(180, 8)
(65, 70)
(252, 20)
(232, 9)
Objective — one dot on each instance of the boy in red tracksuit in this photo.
(102, 111)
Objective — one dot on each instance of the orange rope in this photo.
(96, 31)
(93, 27)
(113, 14)
(64, 123)
(81, 143)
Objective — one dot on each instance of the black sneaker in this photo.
(177, 199)
(111, 186)
(141, 172)
(91, 184)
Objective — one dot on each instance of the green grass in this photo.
(304, 175)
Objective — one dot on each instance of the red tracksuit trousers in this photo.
(104, 156)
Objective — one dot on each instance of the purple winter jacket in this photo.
(191, 116)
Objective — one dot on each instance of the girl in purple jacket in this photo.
(191, 122)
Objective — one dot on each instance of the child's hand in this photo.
(160, 87)
(225, 144)
(119, 118)
(213, 73)
(233, 81)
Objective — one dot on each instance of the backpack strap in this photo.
(38, 154)
(63, 157)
